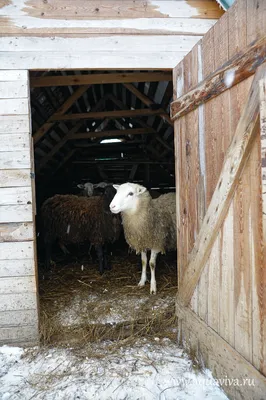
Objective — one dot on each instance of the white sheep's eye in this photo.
(130, 194)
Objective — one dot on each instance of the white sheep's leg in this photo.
(153, 257)
(144, 268)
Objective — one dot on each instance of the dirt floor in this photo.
(78, 305)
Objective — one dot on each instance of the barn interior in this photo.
(113, 127)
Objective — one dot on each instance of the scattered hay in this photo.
(79, 307)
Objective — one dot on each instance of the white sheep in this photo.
(149, 224)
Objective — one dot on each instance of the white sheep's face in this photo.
(127, 197)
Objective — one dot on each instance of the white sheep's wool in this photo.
(149, 224)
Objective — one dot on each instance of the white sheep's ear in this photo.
(116, 187)
(141, 189)
(80, 186)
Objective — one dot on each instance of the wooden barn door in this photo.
(18, 293)
(219, 110)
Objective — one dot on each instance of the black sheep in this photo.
(72, 219)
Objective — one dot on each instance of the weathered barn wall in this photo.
(118, 34)
(18, 297)
(230, 296)
(101, 34)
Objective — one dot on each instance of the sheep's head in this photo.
(109, 193)
(87, 188)
(127, 197)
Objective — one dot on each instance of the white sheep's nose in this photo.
(112, 206)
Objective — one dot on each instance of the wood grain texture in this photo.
(16, 250)
(237, 69)
(14, 124)
(23, 267)
(257, 262)
(263, 157)
(20, 335)
(21, 284)
(15, 160)
(14, 196)
(18, 301)
(214, 301)
(119, 43)
(18, 318)
(219, 356)
(107, 17)
(13, 76)
(232, 168)
(118, 9)
(109, 59)
(16, 232)
(94, 79)
(15, 177)
(226, 281)
(15, 89)
(16, 213)
(15, 142)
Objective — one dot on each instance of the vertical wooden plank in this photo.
(208, 66)
(256, 21)
(226, 313)
(214, 279)
(203, 292)
(238, 26)
(263, 156)
(206, 57)
(196, 182)
(258, 240)
(258, 262)
(178, 87)
(242, 271)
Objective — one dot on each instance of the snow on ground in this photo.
(156, 370)
(106, 311)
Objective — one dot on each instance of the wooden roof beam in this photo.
(148, 102)
(58, 146)
(106, 114)
(93, 79)
(61, 110)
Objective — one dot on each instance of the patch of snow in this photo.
(105, 311)
(229, 77)
(146, 371)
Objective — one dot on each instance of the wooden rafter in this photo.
(106, 114)
(234, 163)
(59, 145)
(94, 79)
(240, 67)
(61, 110)
(148, 102)
(158, 137)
